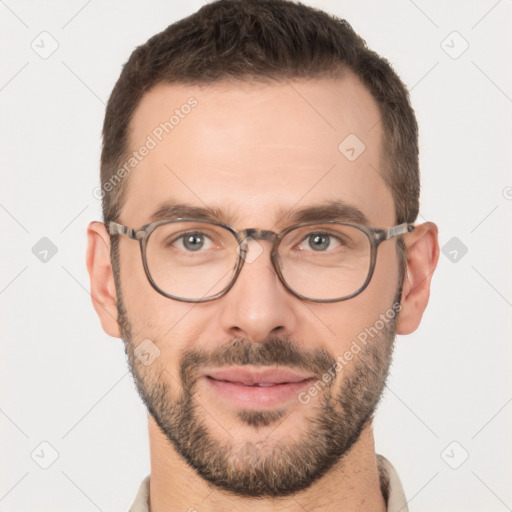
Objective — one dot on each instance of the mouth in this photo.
(259, 384)
(256, 389)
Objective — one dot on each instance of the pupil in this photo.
(319, 242)
(194, 242)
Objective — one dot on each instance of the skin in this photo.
(254, 150)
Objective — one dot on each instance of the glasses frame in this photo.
(375, 235)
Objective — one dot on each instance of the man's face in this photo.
(256, 152)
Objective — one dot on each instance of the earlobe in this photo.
(422, 256)
(103, 290)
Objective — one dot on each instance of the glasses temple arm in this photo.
(401, 229)
(118, 229)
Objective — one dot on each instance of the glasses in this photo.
(193, 260)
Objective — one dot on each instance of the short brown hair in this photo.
(262, 40)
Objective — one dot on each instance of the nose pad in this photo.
(250, 252)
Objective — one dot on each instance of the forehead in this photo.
(252, 151)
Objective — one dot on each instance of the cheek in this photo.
(346, 320)
(152, 316)
(385, 278)
(132, 272)
(143, 303)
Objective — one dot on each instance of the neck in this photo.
(353, 484)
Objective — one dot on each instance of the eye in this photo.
(194, 241)
(321, 242)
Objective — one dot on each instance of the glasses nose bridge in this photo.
(255, 234)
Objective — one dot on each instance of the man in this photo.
(258, 256)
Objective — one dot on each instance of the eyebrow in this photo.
(331, 210)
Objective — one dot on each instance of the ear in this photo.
(422, 255)
(103, 290)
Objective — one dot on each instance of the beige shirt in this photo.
(389, 483)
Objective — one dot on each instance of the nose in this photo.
(258, 305)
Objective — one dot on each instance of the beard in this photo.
(337, 415)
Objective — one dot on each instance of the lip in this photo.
(250, 376)
(256, 389)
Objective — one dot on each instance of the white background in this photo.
(65, 382)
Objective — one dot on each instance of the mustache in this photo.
(273, 351)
